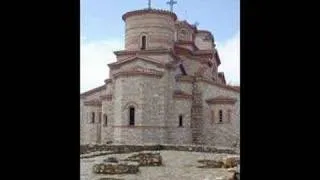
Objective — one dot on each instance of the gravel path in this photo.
(177, 165)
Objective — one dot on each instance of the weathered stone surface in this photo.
(146, 159)
(235, 176)
(176, 165)
(116, 168)
(111, 159)
(117, 148)
(94, 150)
(210, 164)
(233, 170)
(95, 153)
(231, 162)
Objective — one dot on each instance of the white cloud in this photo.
(82, 39)
(229, 52)
(95, 56)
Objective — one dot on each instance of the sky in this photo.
(102, 32)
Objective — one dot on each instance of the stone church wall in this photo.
(201, 43)
(147, 96)
(82, 123)
(185, 87)
(137, 63)
(191, 65)
(220, 134)
(88, 130)
(95, 95)
(107, 129)
(176, 134)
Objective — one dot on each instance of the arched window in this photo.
(100, 116)
(143, 42)
(105, 118)
(92, 117)
(131, 116)
(180, 121)
(220, 116)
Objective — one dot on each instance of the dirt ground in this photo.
(176, 165)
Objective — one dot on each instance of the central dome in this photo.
(148, 29)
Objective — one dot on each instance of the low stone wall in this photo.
(198, 148)
(230, 163)
(210, 164)
(85, 149)
(116, 168)
(96, 153)
(146, 159)
(226, 162)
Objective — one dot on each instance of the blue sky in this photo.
(102, 31)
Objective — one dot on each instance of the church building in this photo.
(164, 88)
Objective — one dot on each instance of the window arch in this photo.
(220, 116)
(143, 42)
(130, 104)
(105, 119)
(92, 117)
(100, 116)
(131, 116)
(180, 121)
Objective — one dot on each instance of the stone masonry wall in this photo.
(128, 93)
(176, 134)
(121, 148)
(201, 44)
(82, 123)
(88, 131)
(171, 116)
(226, 133)
(197, 113)
(222, 133)
(159, 30)
(137, 63)
(185, 87)
(147, 95)
(91, 129)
